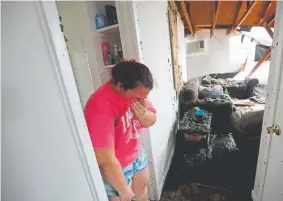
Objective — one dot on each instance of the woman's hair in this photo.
(131, 74)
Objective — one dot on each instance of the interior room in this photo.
(228, 47)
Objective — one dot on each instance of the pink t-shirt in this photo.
(111, 122)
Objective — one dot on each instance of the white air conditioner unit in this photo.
(196, 47)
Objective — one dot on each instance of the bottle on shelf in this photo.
(116, 55)
(105, 52)
(110, 62)
(100, 21)
(120, 52)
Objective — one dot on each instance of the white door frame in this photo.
(57, 48)
(270, 106)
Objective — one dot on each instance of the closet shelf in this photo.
(109, 66)
(112, 28)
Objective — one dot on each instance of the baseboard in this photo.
(254, 196)
(166, 171)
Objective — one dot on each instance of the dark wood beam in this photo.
(187, 18)
(267, 13)
(244, 16)
(236, 16)
(215, 16)
(263, 58)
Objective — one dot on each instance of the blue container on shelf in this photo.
(111, 15)
(200, 114)
(100, 21)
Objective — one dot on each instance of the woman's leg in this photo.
(139, 184)
(114, 199)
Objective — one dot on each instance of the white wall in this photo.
(215, 60)
(41, 155)
(155, 51)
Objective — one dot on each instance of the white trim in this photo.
(254, 196)
(48, 15)
(152, 184)
(0, 112)
(166, 170)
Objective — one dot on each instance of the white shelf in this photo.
(109, 66)
(112, 28)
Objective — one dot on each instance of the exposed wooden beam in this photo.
(267, 12)
(263, 58)
(215, 16)
(187, 19)
(271, 22)
(244, 16)
(269, 31)
(236, 17)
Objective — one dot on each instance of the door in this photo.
(273, 185)
(269, 176)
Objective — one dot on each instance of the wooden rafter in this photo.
(267, 12)
(268, 29)
(215, 16)
(271, 22)
(236, 17)
(244, 16)
(186, 16)
(263, 58)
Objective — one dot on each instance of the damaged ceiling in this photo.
(232, 16)
(229, 15)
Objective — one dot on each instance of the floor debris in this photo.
(218, 144)
(197, 192)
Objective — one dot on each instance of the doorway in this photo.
(239, 168)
